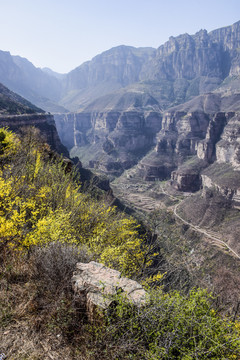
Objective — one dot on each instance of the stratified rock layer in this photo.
(45, 123)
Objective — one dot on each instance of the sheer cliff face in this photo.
(186, 57)
(213, 54)
(112, 140)
(120, 65)
(193, 137)
(228, 148)
(105, 73)
(45, 123)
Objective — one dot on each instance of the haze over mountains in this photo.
(128, 102)
(183, 67)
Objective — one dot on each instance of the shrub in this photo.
(55, 263)
(170, 326)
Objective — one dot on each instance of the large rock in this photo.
(96, 284)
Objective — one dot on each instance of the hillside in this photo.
(22, 77)
(11, 103)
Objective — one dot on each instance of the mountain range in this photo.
(183, 67)
(172, 111)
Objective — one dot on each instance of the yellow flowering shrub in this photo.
(41, 203)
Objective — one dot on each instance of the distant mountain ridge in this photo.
(183, 67)
(22, 77)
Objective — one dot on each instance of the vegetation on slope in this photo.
(47, 224)
(13, 104)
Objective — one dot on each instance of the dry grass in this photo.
(35, 321)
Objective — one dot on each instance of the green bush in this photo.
(171, 326)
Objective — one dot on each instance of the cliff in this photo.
(194, 64)
(112, 133)
(45, 123)
(182, 68)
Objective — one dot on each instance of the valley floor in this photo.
(145, 197)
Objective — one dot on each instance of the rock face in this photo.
(45, 123)
(228, 148)
(203, 59)
(193, 130)
(105, 73)
(117, 136)
(94, 285)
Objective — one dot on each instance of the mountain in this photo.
(105, 73)
(198, 73)
(11, 103)
(176, 118)
(22, 77)
(182, 68)
(53, 73)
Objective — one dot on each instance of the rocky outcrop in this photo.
(184, 181)
(45, 123)
(225, 179)
(228, 148)
(95, 286)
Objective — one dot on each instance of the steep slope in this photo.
(11, 103)
(22, 77)
(105, 73)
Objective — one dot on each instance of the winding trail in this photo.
(197, 228)
(147, 204)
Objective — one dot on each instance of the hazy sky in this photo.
(62, 34)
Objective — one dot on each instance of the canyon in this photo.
(153, 115)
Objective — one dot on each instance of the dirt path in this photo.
(146, 203)
(203, 231)
(210, 234)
